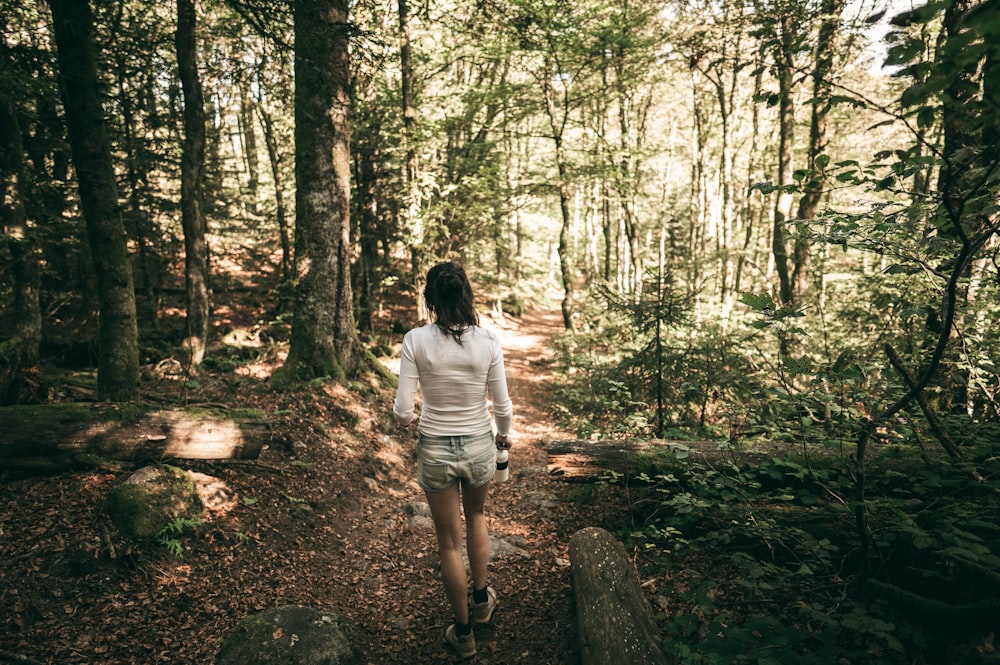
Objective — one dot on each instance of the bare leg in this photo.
(447, 516)
(478, 544)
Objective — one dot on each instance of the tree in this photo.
(192, 167)
(21, 354)
(118, 355)
(324, 337)
(823, 69)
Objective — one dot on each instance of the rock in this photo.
(500, 548)
(400, 623)
(289, 635)
(416, 508)
(420, 523)
(217, 497)
(151, 499)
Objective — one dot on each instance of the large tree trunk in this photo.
(26, 316)
(118, 359)
(192, 168)
(324, 337)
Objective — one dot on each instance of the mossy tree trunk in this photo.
(324, 335)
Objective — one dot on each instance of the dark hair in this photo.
(449, 297)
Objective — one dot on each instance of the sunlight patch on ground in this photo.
(264, 367)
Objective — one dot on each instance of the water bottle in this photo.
(503, 468)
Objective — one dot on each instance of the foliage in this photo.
(169, 536)
(761, 561)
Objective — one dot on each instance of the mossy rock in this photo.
(288, 635)
(152, 498)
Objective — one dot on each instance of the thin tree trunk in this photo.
(565, 260)
(22, 353)
(822, 86)
(284, 232)
(247, 104)
(137, 221)
(118, 357)
(192, 170)
(786, 129)
(411, 190)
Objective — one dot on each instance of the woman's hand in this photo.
(503, 443)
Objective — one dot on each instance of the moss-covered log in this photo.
(54, 437)
(614, 618)
(580, 460)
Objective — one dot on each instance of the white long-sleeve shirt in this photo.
(456, 382)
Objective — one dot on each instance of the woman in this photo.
(458, 366)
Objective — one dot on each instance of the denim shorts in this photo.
(443, 461)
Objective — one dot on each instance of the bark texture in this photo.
(118, 358)
(324, 336)
(192, 167)
(614, 618)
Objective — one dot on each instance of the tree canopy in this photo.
(764, 221)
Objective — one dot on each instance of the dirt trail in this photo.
(531, 518)
(529, 360)
(325, 521)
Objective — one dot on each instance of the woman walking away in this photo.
(458, 366)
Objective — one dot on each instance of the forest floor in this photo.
(325, 518)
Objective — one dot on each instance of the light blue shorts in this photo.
(442, 461)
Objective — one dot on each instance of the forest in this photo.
(752, 245)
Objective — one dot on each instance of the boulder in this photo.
(288, 635)
(153, 498)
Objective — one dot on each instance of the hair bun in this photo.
(451, 282)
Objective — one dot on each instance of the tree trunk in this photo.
(284, 233)
(822, 86)
(613, 616)
(412, 220)
(192, 169)
(576, 460)
(249, 133)
(786, 147)
(138, 223)
(26, 337)
(565, 258)
(118, 359)
(324, 337)
(54, 437)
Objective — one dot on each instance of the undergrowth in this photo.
(759, 562)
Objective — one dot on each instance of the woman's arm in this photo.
(503, 408)
(406, 391)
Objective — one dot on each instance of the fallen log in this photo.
(583, 460)
(54, 437)
(614, 619)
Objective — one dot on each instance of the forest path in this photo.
(529, 359)
(402, 610)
